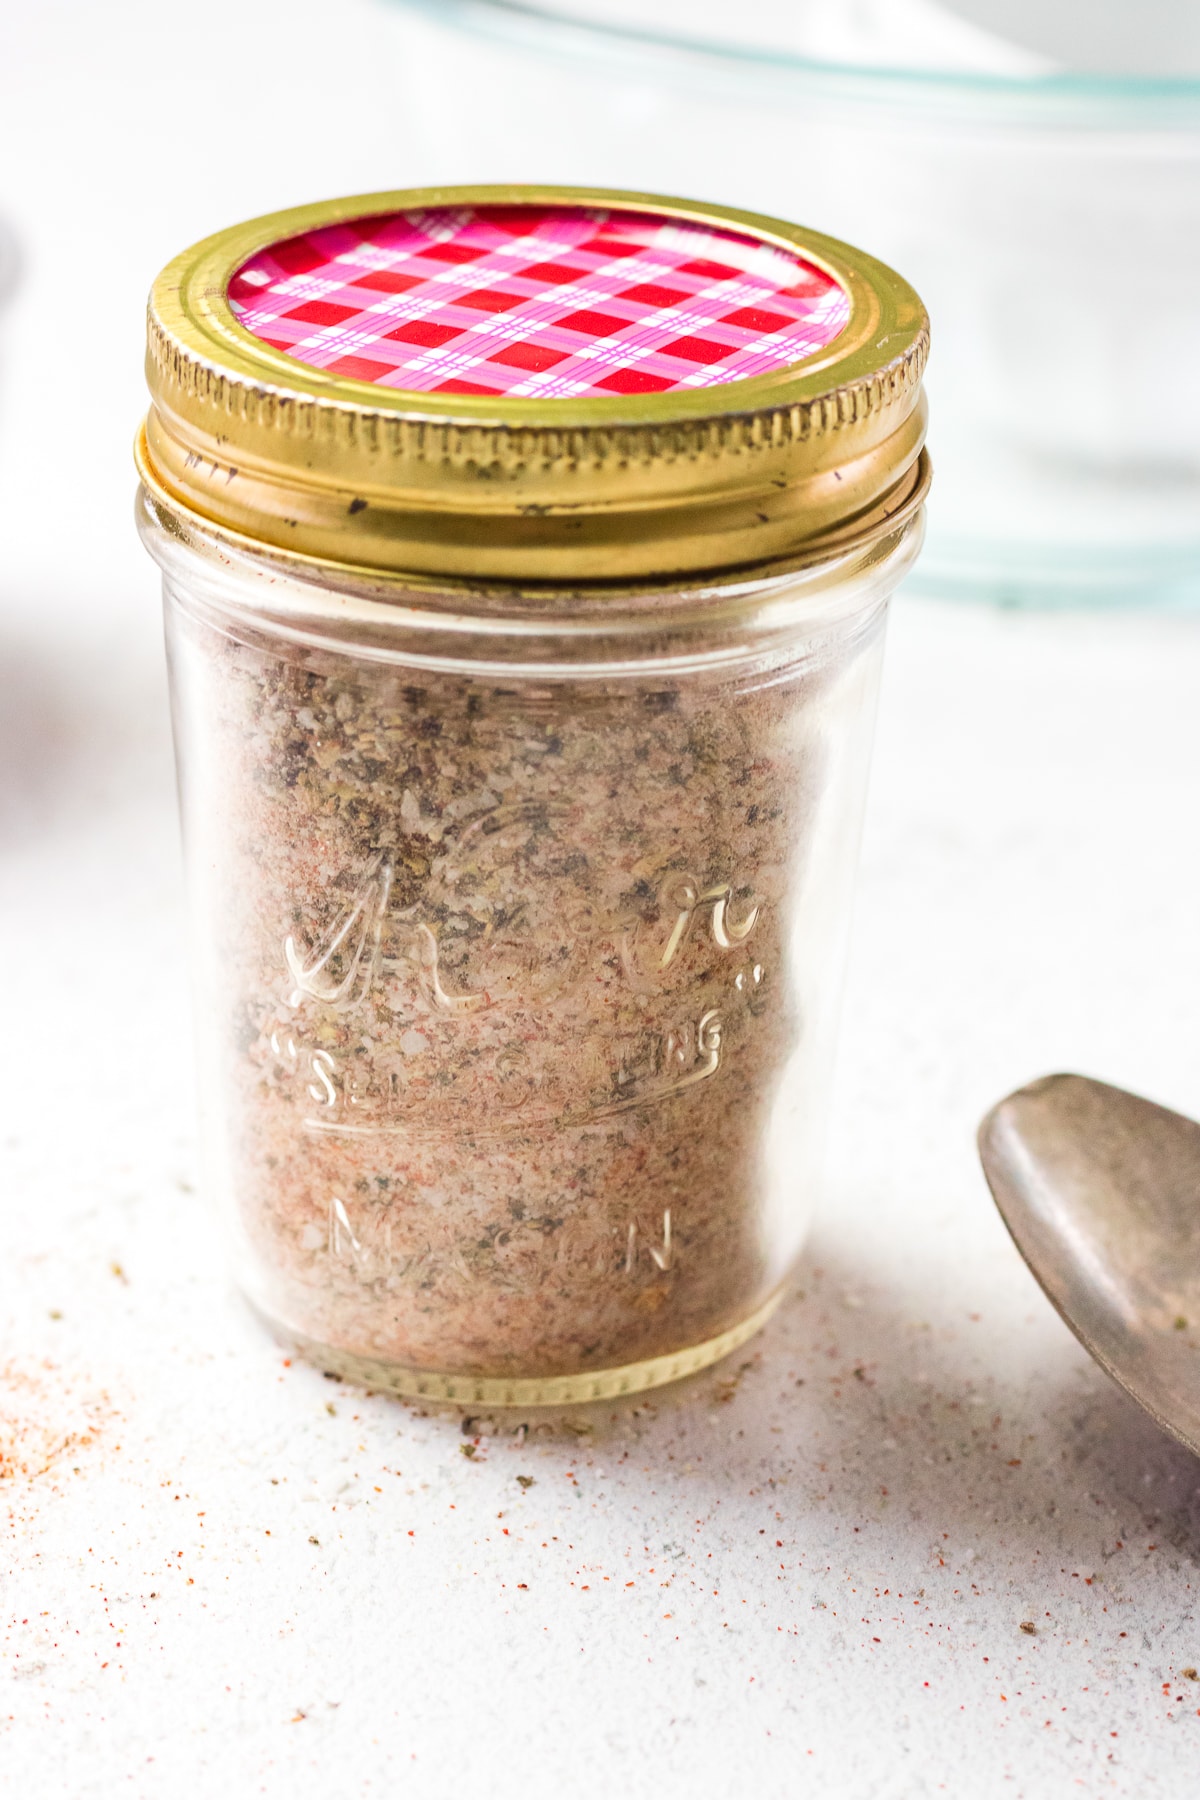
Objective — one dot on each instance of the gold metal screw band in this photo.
(601, 488)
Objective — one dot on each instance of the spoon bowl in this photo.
(1101, 1192)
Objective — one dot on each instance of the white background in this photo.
(805, 1573)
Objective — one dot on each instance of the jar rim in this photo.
(895, 511)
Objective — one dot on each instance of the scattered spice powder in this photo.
(43, 1417)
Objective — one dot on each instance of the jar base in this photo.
(542, 1390)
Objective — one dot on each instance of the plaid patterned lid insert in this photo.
(537, 302)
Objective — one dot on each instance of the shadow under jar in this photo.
(526, 557)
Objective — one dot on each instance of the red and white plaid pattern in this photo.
(536, 302)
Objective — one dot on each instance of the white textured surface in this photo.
(805, 1573)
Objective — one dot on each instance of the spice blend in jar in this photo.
(526, 557)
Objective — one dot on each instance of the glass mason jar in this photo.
(523, 678)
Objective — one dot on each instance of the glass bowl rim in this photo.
(1068, 96)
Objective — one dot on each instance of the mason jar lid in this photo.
(535, 384)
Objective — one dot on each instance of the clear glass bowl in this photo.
(1048, 213)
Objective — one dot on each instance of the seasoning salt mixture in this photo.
(507, 996)
(519, 909)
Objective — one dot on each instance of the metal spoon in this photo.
(1101, 1192)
